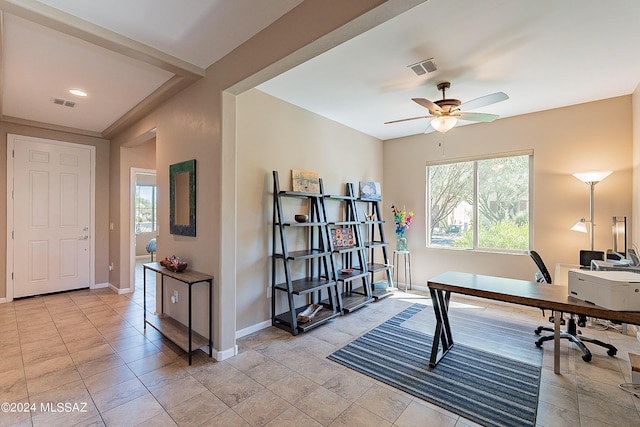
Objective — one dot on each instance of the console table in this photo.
(182, 336)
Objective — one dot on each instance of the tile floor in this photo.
(87, 349)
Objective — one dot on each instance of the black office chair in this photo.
(572, 332)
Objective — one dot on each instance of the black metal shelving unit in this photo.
(315, 259)
(355, 285)
(378, 256)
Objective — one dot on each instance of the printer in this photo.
(615, 290)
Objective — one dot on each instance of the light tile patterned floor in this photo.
(88, 348)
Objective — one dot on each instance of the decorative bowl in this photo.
(346, 271)
(176, 268)
(301, 218)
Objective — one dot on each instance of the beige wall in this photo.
(102, 191)
(190, 126)
(182, 132)
(286, 138)
(593, 136)
(635, 220)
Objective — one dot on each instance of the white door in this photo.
(51, 215)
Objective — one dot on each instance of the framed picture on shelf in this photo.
(370, 190)
(305, 181)
(342, 237)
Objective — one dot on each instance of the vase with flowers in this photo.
(402, 218)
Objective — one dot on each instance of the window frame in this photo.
(475, 214)
(154, 206)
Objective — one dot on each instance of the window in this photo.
(480, 204)
(145, 202)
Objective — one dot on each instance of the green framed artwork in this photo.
(182, 198)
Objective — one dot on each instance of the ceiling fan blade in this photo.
(477, 117)
(483, 101)
(429, 105)
(411, 118)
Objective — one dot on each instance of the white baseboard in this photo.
(100, 285)
(3, 300)
(254, 328)
(118, 290)
(225, 354)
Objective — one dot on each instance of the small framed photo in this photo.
(305, 181)
(370, 190)
(342, 237)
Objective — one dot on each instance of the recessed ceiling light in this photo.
(78, 92)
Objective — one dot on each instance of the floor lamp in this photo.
(591, 179)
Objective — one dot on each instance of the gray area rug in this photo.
(487, 388)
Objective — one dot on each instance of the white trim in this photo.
(225, 354)
(119, 291)
(132, 224)
(100, 285)
(9, 224)
(10, 187)
(3, 300)
(254, 328)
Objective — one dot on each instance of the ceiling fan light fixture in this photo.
(444, 123)
(78, 92)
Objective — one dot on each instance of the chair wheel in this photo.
(538, 344)
(612, 352)
(537, 331)
(586, 357)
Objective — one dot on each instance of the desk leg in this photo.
(556, 342)
(144, 295)
(442, 333)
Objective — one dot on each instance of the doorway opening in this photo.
(144, 198)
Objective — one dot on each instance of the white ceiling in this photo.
(130, 55)
(544, 54)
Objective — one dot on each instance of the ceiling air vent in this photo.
(64, 102)
(424, 67)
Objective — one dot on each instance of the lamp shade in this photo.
(593, 176)
(580, 226)
(444, 123)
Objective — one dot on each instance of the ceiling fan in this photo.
(446, 112)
